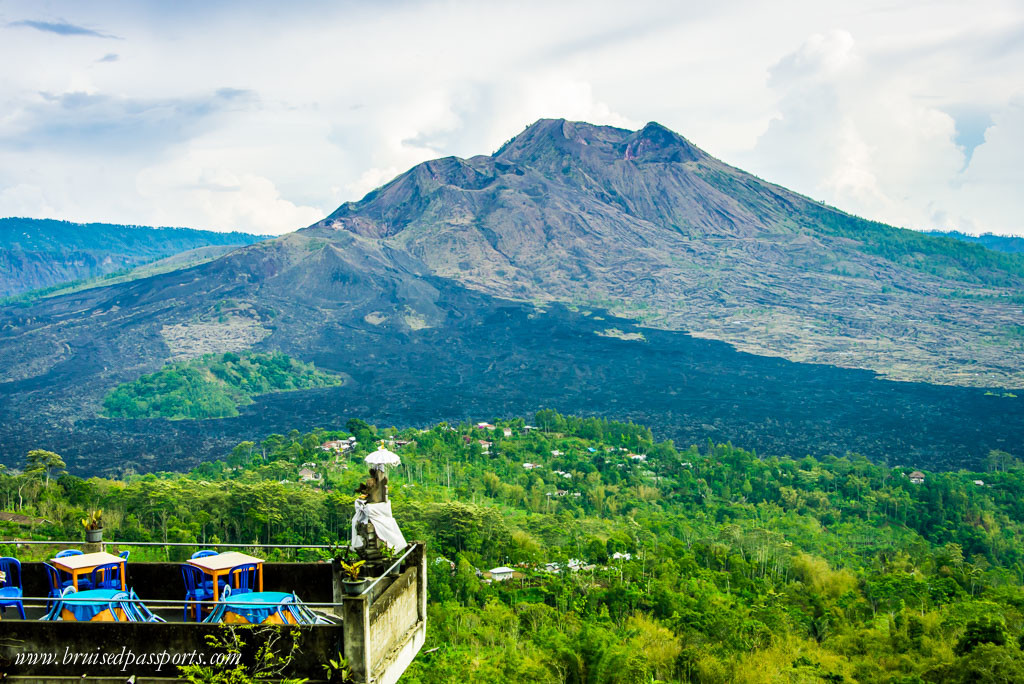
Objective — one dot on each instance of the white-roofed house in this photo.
(501, 574)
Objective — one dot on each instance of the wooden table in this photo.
(84, 563)
(221, 564)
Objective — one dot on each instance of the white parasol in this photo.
(383, 457)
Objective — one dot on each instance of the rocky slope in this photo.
(565, 271)
(652, 227)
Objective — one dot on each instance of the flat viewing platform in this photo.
(379, 631)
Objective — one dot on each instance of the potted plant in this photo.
(93, 525)
(353, 584)
(390, 556)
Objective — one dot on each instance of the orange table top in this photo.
(223, 561)
(85, 560)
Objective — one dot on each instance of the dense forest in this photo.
(44, 255)
(1012, 244)
(212, 386)
(635, 560)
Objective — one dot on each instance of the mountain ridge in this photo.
(571, 212)
(557, 274)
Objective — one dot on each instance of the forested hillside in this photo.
(43, 253)
(700, 564)
(1012, 244)
(212, 386)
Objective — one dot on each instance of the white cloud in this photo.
(25, 201)
(988, 192)
(865, 105)
(872, 141)
(190, 192)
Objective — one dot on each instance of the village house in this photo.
(531, 466)
(501, 574)
(307, 474)
(485, 445)
(484, 426)
(336, 446)
(637, 457)
(917, 477)
(507, 432)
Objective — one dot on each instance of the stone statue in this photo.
(373, 524)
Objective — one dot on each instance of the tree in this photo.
(982, 631)
(46, 462)
(998, 460)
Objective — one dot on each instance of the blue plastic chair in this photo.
(243, 578)
(65, 578)
(125, 554)
(53, 611)
(194, 590)
(134, 610)
(208, 584)
(10, 587)
(57, 585)
(106, 576)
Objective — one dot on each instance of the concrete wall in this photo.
(112, 644)
(385, 631)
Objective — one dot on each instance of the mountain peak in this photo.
(655, 142)
(562, 136)
(652, 143)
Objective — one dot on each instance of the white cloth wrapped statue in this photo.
(375, 508)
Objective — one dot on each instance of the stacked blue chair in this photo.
(136, 611)
(10, 585)
(53, 608)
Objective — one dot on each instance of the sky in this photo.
(265, 116)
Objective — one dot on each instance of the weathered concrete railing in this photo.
(385, 627)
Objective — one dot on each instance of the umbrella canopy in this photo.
(383, 457)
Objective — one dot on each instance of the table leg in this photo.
(216, 585)
(260, 567)
(74, 579)
(123, 572)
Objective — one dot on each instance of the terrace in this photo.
(379, 631)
